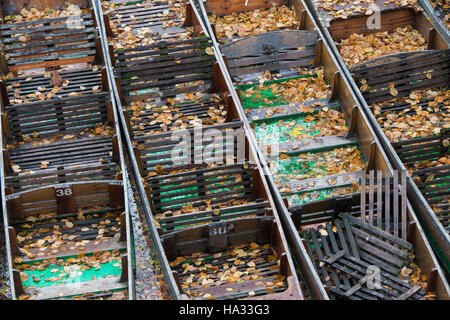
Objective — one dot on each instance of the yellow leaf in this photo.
(254, 245)
(393, 91)
(23, 276)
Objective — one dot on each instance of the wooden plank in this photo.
(391, 20)
(371, 195)
(15, 209)
(322, 183)
(224, 7)
(314, 144)
(395, 192)
(387, 203)
(379, 199)
(363, 196)
(379, 232)
(404, 200)
(65, 290)
(65, 200)
(409, 293)
(105, 244)
(55, 63)
(278, 40)
(14, 6)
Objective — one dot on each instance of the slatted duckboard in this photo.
(407, 71)
(276, 51)
(165, 69)
(348, 254)
(49, 42)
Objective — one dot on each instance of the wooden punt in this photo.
(411, 71)
(215, 224)
(62, 159)
(438, 11)
(272, 51)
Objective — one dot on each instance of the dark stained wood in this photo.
(115, 194)
(123, 227)
(218, 80)
(192, 20)
(390, 20)
(77, 288)
(224, 7)
(276, 51)
(13, 241)
(14, 6)
(432, 279)
(17, 283)
(124, 265)
(64, 200)
(15, 209)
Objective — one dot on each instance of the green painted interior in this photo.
(305, 197)
(257, 100)
(108, 269)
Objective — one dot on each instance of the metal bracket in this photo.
(268, 48)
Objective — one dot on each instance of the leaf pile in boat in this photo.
(316, 165)
(344, 9)
(58, 88)
(359, 48)
(171, 116)
(428, 113)
(38, 239)
(326, 122)
(305, 88)
(254, 22)
(34, 14)
(238, 264)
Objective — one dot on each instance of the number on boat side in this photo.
(218, 230)
(218, 235)
(63, 192)
(65, 201)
